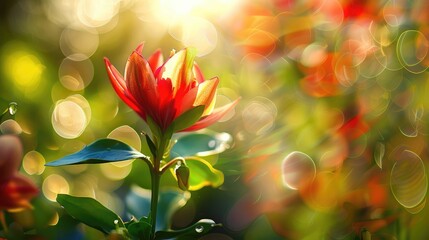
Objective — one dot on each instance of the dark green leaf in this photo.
(198, 229)
(188, 118)
(151, 145)
(202, 144)
(100, 151)
(91, 212)
(140, 230)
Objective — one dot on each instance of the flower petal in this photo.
(166, 110)
(179, 69)
(187, 101)
(156, 60)
(197, 73)
(206, 94)
(141, 83)
(217, 114)
(10, 156)
(17, 192)
(120, 88)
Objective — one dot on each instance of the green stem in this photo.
(171, 163)
(156, 177)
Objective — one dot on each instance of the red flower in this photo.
(15, 190)
(164, 91)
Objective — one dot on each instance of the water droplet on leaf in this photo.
(13, 107)
(199, 229)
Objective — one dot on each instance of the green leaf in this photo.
(188, 118)
(200, 144)
(198, 229)
(156, 130)
(140, 230)
(202, 174)
(100, 151)
(91, 212)
(151, 145)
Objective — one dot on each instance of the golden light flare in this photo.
(53, 185)
(127, 135)
(76, 75)
(22, 66)
(33, 163)
(71, 116)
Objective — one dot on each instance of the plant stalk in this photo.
(156, 177)
(156, 174)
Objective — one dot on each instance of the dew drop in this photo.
(116, 221)
(212, 143)
(13, 107)
(199, 229)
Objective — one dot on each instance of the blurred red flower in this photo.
(16, 190)
(164, 91)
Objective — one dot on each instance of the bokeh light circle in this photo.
(127, 135)
(95, 13)
(68, 119)
(53, 185)
(33, 163)
(408, 179)
(10, 126)
(259, 115)
(76, 75)
(297, 170)
(78, 44)
(196, 32)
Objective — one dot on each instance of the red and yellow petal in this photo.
(217, 114)
(178, 69)
(120, 88)
(197, 73)
(206, 95)
(141, 83)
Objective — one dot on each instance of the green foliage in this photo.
(198, 229)
(140, 229)
(188, 118)
(91, 212)
(100, 151)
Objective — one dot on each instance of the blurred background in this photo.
(329, 140)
